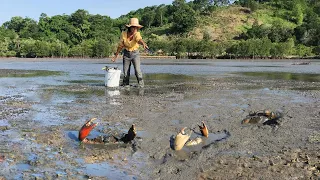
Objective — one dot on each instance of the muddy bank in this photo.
(40, 126)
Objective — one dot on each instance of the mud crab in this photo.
(265, 117)
(89, 125)
(182, 138)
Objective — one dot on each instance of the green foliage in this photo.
(183, 17)
(262, 48)
(59, 49)
(101, 48)
(41, 48)
(316, 50)
(252, 4)
(303, 51)
(282, 49)
(205, 7)
(308, 33)
(276, 33)
(297, 14)
(27, 48)
(246, 48)
(281, 28)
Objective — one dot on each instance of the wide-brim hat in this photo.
(134, 22)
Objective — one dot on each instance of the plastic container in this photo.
(112, 77)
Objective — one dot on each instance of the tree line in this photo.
(166, 31)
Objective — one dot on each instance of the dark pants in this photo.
(128, 58)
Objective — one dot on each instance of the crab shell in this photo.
(86, 129)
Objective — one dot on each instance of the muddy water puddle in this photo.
(176, 122)
(114, 161)
(106, 170)
(63, 94)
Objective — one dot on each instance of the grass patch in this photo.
(268, 16)
(225, 23)
(79, 92)
(28, 73)
(94, 75)
(83, 92)
(88, 81)
(158, 30)
(285, 76)
(168, 77)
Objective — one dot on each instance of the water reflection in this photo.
(112, 92)
(129, 91)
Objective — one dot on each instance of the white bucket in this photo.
(112, 78)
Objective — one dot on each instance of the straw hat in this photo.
(134, 22)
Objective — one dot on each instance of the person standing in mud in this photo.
(130, 41)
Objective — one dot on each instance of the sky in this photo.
(33, 8)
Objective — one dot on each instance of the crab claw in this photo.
(180, 139)
(86, 129)
(204, 130)
(130, 135)
(132, 132)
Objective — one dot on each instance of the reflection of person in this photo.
(129, 41)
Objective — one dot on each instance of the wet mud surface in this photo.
(41, 115)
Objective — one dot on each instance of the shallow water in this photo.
(81, 82)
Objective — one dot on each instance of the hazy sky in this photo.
(33, 8)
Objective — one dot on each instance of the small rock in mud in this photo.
(315, 138)
(4, 128)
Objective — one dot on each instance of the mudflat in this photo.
(42, 112)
